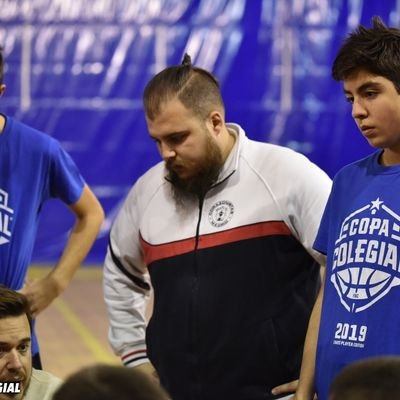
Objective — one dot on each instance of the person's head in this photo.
(185, 116)
(109, 382)
(15, 341)
(375, 50)
(373, 378)
(368, 63)
(2, 85)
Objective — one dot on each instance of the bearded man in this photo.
(222, 230)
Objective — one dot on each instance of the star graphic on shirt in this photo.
(376, 204)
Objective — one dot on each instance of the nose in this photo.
(358, 111)
(166, 151)
(13, 360)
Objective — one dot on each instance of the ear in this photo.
(215, 122)
(2, 89)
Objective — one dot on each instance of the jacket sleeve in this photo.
(301, 190)
(126, 285)
(310, 188)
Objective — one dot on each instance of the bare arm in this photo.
(89, 217)
(307, 367)
(306, 386)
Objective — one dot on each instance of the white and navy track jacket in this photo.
(234, 275)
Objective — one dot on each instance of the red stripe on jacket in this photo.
(158, 252)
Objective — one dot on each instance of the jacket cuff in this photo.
(134, 356)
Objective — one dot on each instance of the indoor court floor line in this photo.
(72, 332)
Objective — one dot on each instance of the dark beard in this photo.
(197, 185)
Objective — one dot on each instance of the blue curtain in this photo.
(76, 70)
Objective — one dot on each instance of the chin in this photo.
(184, 176)
(376, 143)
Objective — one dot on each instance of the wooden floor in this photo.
(73, 330)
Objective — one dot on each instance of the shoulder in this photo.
(148, 184)
(356, 169)
(268, 153)
(26, 130)
(42, 385)
(31, 137)
(276, 162)
(144, 192)
(154, 174)
(44, 377)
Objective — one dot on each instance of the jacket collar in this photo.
(232, 161)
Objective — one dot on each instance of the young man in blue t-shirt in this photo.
(33, 169)
(357, 312)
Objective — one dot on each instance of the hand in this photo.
(148, 370)
(298, 397)
(286, 388)
(40, 293)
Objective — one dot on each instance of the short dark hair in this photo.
(372, 378)
(196, 88)
(104, 382)
(13, 304)
(375, 50)
(1, 65)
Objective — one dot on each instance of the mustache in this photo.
(172, 164)
(12, 377)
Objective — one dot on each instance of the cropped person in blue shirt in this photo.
(357, 313)
(33, 169)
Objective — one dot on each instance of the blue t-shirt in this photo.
(33, 168)
(360, 234)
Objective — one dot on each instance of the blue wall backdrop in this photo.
(76, 70)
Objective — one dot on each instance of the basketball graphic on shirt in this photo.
(366, 261)
(363, 284)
